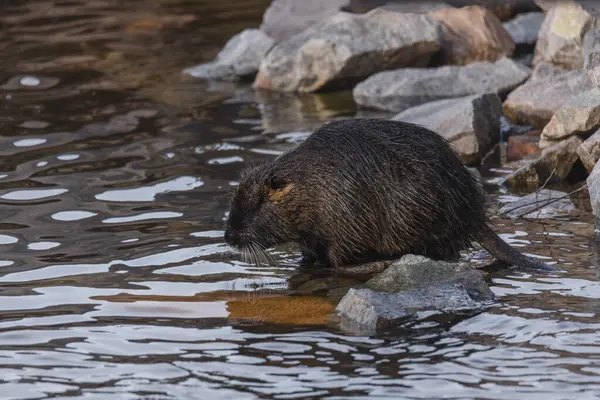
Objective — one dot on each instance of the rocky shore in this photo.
(465, 69)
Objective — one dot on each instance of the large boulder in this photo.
(472, 34)
(580, 114)
(593, 183)
(346, 48)
(524, 28)
(552, 166)
(589, 151)
(560, 39)
(591, 53)
(239, 58)
(285, 18)
(471, 124)
(549, 88)
(404, 88)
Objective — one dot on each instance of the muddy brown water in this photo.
(114, 280)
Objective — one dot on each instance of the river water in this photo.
(114, 279)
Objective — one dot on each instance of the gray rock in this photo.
(409, 87)
(412, 272)
(589, 151)
(346, 48)
(591, 54)
(240, 57)
(580, 114)
(285, 18)
(471, 124)
(549, 88)
(544, 204)
(593, 183)
(560, 40)
(368, 311)
(415, 6)
(553, 165)
(524, 28)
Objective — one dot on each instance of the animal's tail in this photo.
(504, 252)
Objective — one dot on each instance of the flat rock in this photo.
(471, 124)
(472, 34)
(524, 28)
(285, 18)
(553, 165)
(543, 204)
(580, 114)
(560, 40)
(549, 88)
(591, 54)
(589, 151)
(239, 58)
(346, 48)
(409, 87)
(368, 311)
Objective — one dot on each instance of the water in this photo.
(114, 282)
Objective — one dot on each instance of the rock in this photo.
(535, 102)
(589, 151)
(591, 55)
(286, 18)
(554, 164)
(524, 28)
(560, 40)
(239, 58)
(412, 271)
(472, 34)
(593, 183)
(346, 48)
(523, 146)
(409, 87)
(471, 124)
(368, 311)
(544, 204)
(410, 6)
(580, 114)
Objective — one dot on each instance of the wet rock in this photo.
(409, 87)
(368, 311)
(560, 40)
(554, 164)
(285, 18)
(549, 88)
(523, 146)
(591, 54)
(580, 114)
(524, 28)
(471, 124)
(239, 58)
(589, 151)
(346, 48)
(472, 34)
(593, 183)
(543, 204)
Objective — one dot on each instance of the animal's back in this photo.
(388, 185)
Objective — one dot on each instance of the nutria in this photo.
(362, 189)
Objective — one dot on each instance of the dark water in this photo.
(114, 282)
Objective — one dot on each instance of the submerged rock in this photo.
(285, 18)
(346, 48)
(553, 165)
(589, 151)
(239, 58)
(409, 87)
(472, 34)
(524, 28)
(560, 39)
(543, 204)
(471, 124)
(549, 88)
(580, 114)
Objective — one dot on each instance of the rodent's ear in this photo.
(278, 189)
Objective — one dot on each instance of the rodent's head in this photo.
(265, 209)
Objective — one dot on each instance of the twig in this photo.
(543, 205)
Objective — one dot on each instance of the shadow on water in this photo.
(114, 181)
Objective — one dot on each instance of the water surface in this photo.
(114, 280)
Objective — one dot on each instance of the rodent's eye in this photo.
(277, 183)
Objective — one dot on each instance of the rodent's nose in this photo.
(231, 238)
